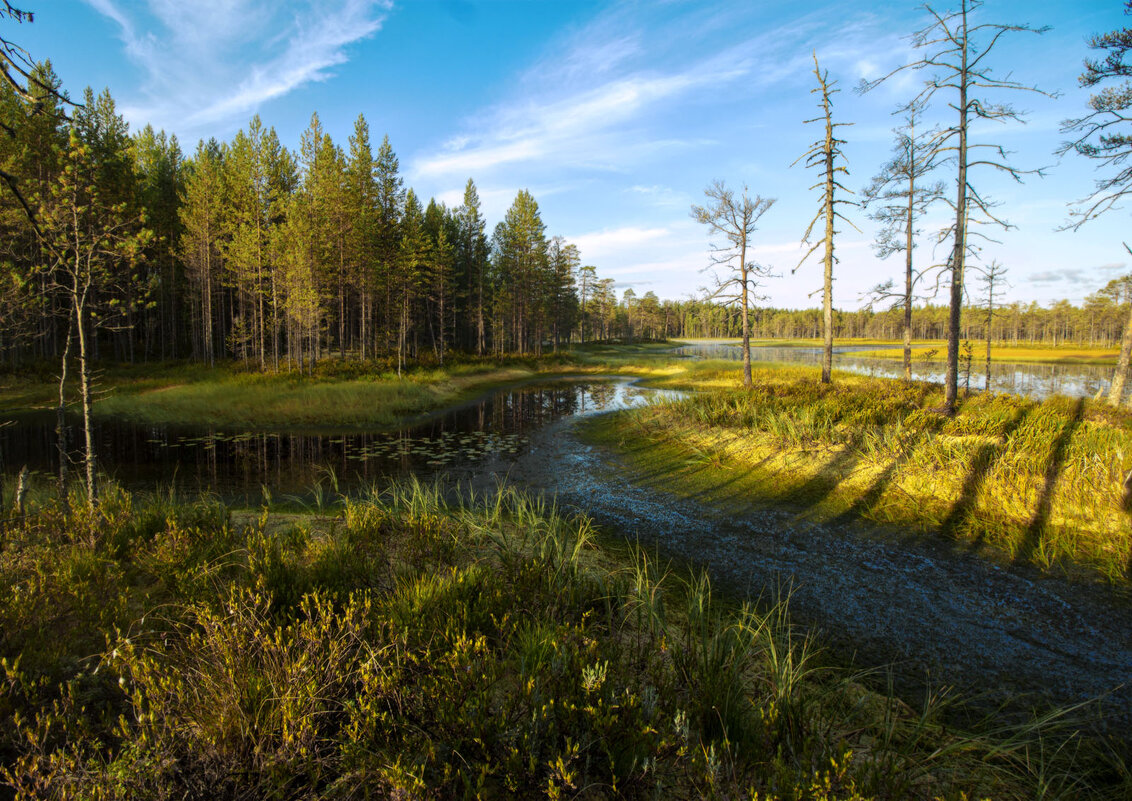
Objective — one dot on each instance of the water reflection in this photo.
(1021, 378)
(482, 437)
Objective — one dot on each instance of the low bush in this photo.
(412, 647)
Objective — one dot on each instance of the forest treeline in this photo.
(247, 250)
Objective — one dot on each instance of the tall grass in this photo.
(422, 646)
(1036, 482)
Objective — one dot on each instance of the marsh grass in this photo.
(339, 396)
(1069, 354)
(413, 645)
(1035, 482)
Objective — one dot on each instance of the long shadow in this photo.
(1056, 461)
(819, 487)
(981, 465)
(869, 498)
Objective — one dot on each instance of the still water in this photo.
(1020, 378)
(483, 437)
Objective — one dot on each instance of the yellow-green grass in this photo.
(339, 396)
(412, 648)
(1038, 483)
(1069, 354)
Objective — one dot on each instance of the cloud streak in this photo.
(214, 61)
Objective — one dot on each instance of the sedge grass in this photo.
(1067, 354)
(419, 646)
(1036, 482)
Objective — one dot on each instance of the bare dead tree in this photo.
(896, 198)
(825, 155)
(992, 276)
(735, 219)
(956, 60)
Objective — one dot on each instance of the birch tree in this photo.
(95, 245)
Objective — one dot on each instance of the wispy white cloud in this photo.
(215, 61)
(663, 196)
(592, 101)
(579, 129)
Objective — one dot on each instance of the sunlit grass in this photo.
(1069, 354)
(406, 645)
(1036, 482)
(339, 396)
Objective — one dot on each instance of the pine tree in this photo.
(521, 267)
(363, 250)
(200, 243)
(390, 207)
(414, 258)
(472, 256)
(897, 198)
(159, 165)
(956, 51)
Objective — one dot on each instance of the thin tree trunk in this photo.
(61, 415)
(1120, 376)
(84, 386)
(908, 244)
(747, 381)
(827, 291)
(959, 253)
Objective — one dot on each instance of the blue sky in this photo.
(615, 115)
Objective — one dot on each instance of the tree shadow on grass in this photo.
(817, 488)
(870, 497)
(981, 464)
(1037, 525)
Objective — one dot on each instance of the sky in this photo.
(617, 115)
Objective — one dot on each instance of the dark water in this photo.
(483, 437)
(1020, 378)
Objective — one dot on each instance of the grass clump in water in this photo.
(412, 647)
(1038, 482)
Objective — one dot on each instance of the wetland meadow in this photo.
(611, 568)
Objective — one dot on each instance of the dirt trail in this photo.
(945, 616)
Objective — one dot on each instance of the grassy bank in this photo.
(406, 647)
(338, 396)
(1067, 354)
(1038, 483)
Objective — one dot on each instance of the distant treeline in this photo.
(1098, 321)
(120, 245)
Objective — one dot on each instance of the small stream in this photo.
(952, 617)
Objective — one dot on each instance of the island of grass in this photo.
(407, 646)
(337, 396)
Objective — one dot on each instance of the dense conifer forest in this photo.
(251, 251)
